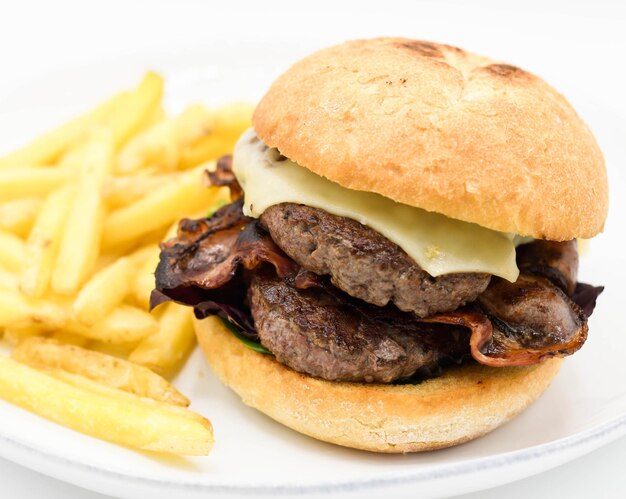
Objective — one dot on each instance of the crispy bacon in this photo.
(202, 265)
(521, 323)
(556, 261)
(543, 314)
(224, 176)
(585, 296)
(208, 252)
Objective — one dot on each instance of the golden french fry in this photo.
(119, 350)
(19, 311)
(205, 150)
(220, 133)
(142, 288)
(73, 158)
(234, 118)
(146, 254)
(157, 209)
(19, 215)
(28, 182)
(16, 335)
(83, 229)
(69, 338)
(160, 146)
(48, 147)
(157, 115)
(43, 242)
(8, 280)
(11, 251)
(193, 124)
(122, 191)
(103, 292)
(46, 353)
(163, 350)
(135, 109)
(125, 324)
(146, 260)
(105, 413)
(155, 147)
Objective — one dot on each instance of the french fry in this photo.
(103, 292)
(105, 413)
(48, 147)
(45, 353)
(28, 182)
(233, 119)
(43, 242)
(146, 260)
(205, 150)
(119, 350)
(19, 215)
(221, 133)
(20, 311)
(160, 146)
(166, 348)
(16, 335)
(11, 251)
(148, 253)
(83, 230)
(72, 160)
(8, 280)
(157, 115)
(156, 147)
(122, 191)
(143, 286)
(135, 109)
(157, 209)
(125, 324)
(69, 338)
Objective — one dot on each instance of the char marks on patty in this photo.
(325, 333)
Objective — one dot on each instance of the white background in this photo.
(576, 46)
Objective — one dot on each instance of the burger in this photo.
(397, 270)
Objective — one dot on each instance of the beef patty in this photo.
(365, 264)
(325, 333)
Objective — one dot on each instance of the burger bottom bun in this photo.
(464, 403)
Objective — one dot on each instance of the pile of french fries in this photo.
(82, 211)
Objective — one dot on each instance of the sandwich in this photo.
(397, 270)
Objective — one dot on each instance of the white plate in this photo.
(584, 408)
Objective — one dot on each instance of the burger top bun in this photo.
(442, 129)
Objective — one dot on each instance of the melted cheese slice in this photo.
(440, 245)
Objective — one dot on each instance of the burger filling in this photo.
(332, 296)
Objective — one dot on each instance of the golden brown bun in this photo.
(442, 129)
(464, 403)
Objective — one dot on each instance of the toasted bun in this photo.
(442, 129)
(464, 403)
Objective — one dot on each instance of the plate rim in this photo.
(586, 441)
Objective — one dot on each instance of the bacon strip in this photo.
(202, 265)
(521, 323)
(224, 176)
(208, 252)
(556, 261)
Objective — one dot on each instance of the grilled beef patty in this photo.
(326, 333)
(365, 264)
